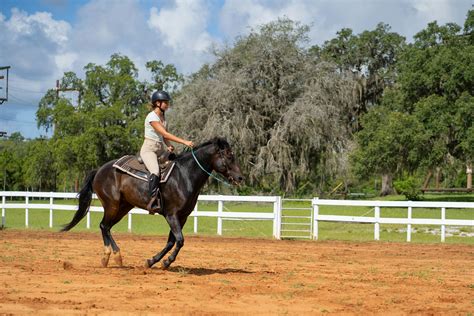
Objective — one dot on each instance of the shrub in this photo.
(410, 187)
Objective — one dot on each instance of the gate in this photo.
(296, 219)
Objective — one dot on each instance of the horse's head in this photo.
(224, 162)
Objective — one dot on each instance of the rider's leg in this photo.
(149, 156)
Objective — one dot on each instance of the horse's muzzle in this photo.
(236, 179)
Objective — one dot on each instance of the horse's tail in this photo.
(85, 198)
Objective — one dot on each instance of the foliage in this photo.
(298, 116)
(285, 113)
(426, 119)
(436, 84)
(106, 122)
(410, 187)
(370, 57)
(12, 155)
(388, 143)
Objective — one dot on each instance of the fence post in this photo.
(315, 219)
(220, 207)
(277, 217)
(443, 224)
(88, 223)
(409, 224)
(129, 222)
(377, 223)
(3, 211)
(51, 211)
(27, 200)
(196, 218)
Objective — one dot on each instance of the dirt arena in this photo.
(53, 273)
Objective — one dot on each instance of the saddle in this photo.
(134, 166)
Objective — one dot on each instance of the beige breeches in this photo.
(150, 152)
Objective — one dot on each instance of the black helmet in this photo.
(160, 96)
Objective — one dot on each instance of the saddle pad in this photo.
(130, 165)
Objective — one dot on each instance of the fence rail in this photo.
(275, 215)
(377, 219)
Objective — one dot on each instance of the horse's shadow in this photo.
(206, 271)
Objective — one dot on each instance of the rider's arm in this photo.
(167, 136)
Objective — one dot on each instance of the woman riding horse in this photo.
(119, 193)
(156, 137)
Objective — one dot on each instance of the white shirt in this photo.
(149, 130)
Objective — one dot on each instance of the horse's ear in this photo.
(222, 143)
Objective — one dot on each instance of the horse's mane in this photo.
(218, 141)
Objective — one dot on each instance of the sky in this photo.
(42, 39)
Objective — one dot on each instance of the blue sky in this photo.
(44, 38)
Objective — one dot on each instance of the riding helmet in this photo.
(160, 96)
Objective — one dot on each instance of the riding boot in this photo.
(154, 204)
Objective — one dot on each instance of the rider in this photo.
(156, 137)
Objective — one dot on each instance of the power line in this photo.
(20, 100)
(18, 121)
(26, 90)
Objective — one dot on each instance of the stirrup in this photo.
(154, 205)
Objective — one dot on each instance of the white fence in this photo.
(377, 219)
(274, 216)
(220, 214)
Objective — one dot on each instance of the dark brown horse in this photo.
(119, 193)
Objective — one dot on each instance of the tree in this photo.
(387, 145)
(12, 155)
(436, 85)
(284, 112)
(106, 122)
(370, 56)
(433, 101)
(39, 166)
(165, 77)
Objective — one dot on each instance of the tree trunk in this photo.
(427, 179)
(438, 177)
(387, 185)
(469, 175)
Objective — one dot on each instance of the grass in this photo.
(156, 225)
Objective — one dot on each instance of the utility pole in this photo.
(4, 98)
(59, 89)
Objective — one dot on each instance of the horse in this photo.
(119, 192)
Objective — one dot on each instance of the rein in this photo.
(210, 174)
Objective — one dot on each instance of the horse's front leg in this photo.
(176, 229)
(169, 244)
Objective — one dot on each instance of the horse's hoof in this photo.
(118, 260)
(148, 263)
(105, 262)
(164, 266)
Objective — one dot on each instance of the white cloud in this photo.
(237, 16)
(326, 17)
(31, 42)
(182, 26)
(40, 48)
(182, 29)
(65, 61)
(22, 24)
(430, 10)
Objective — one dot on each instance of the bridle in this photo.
(209, 173)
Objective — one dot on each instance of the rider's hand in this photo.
(189, 143)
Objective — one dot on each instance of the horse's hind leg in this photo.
(112, 217)
(169, 244)
(107, 244)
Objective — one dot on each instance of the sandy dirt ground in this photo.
(60, 273)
